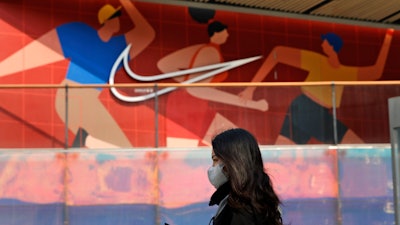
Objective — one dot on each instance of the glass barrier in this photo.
(169, 116)
(318, 184)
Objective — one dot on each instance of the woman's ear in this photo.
(225, 171)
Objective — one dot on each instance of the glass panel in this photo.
(99, 120)
(366, 185)
(292, 116)
(189, 117)
(29, 119)
(142, 186)
(86, 187)
(31, 188)
(112, 187)
(184, 186)
(364, 110)
(306, 180)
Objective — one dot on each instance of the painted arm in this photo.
(142, 34)
(44, 50)
(281, 54)
(178, 60)
(215, 95)
(209, 56)
(375, 71)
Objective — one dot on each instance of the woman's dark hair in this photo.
(251, 186)
(205, 16)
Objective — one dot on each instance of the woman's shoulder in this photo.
(242, 216)
(236, 217)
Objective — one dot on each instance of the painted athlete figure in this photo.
(194, 101)
(316, 102)
(91, 54)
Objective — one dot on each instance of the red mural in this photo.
(102, 42)
(65, 44)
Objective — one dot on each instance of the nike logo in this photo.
(213, 70)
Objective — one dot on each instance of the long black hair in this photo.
(252, 188)
(206, 16)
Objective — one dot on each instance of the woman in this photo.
(244, 191)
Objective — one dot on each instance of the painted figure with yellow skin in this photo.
(91, 54)
(314, 103)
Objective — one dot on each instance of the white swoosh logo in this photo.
(215, 69)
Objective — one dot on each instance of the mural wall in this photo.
(87, 43)
(67, 44)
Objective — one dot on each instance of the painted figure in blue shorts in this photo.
(91, 54)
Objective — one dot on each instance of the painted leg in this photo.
(282, 140)
(219, 123)
(351, 138)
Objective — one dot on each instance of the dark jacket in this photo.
(230, 216)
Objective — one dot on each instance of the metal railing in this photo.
(155, 87)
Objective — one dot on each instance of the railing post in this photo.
(66, 117)
(334, 121)
(337, 164)
(65, 180)
(156, 115)
(394, 126)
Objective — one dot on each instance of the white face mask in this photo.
(216, 176)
